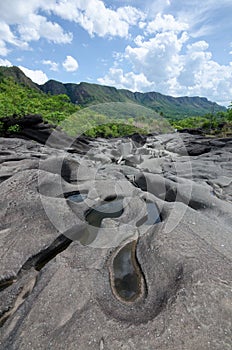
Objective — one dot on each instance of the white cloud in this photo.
(14, 11)
(21, 24)
(3, 49)
(163, 55)
(27, 23)
(7, 37)
(5, 63)
(6, 33)
(53, 65)
(166, 23)
(130, 14)
(201, 75)
(210, 16)
(198, 46)
(132, 81)
(37, 76)
(158, 57)
(96, 18)
(158, 6)
(38, 27)
(70, 64)
(169, 64)
(142, 25)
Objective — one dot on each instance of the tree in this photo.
(16, 99)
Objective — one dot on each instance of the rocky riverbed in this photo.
(116, 244)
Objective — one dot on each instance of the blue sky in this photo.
(176, 47)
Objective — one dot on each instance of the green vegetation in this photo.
(18, 76)
(19, 100)
(19, 96)
(14, 129)
(87, 95)
(219, 123)
(114, 130)
(94, 124)
(116, 119)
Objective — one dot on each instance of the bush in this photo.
(14, 129)
(114, 130)
(19, 100)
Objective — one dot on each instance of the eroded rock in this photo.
(172, 287)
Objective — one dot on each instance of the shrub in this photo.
(14, 129)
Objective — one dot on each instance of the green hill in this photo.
(18, 76)
(20, 99)
(102, 110)
(85, 95)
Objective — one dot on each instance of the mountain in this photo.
(86, 94)
(18, 76)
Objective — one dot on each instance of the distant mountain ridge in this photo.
(86, 94)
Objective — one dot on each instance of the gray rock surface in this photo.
(57, 288)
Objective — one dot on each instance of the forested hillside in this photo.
(85, 95)
(97, 105)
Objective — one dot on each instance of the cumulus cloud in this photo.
(21, 24)
(28, 24)
(169, 62)
(7, 37)
(53, 65)
(132, 81)
(201, 75)
(130, 14)
(38, 27)
(166, 23)
(70, 64)
(38, 76)
(157, 57)
(96, 18)
(5, 63)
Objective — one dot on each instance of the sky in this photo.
(175, 47)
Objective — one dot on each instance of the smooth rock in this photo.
(57, 289)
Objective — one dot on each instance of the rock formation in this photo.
(116, 244)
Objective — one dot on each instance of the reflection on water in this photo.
(127, 277)
(152, 217)
(77, 197)
(112, 209)
(127, 274)
(94, 216)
